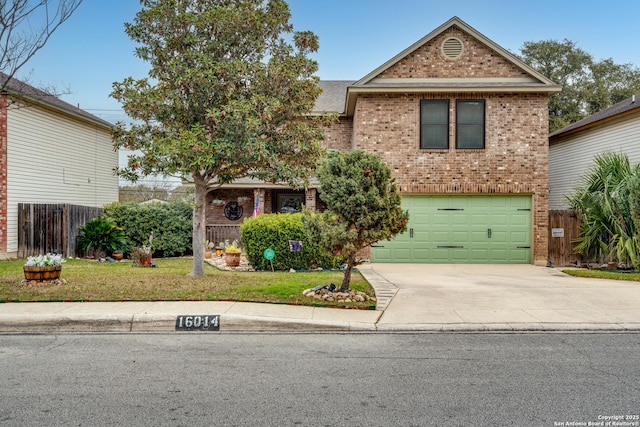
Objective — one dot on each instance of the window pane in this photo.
(470, 124)
(434, 120)
(470, 136)
(435, 136)
(435, 112)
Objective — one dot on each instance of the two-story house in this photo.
(50, 152)
(463, 125)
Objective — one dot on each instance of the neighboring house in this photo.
(572, 149)
(50, 152)
(463, 125)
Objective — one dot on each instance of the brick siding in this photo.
(477, 60)
(514, 160)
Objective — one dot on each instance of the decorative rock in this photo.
(291, 270)
(324, 294)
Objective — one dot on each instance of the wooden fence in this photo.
(564, 229)
(51, 228)
(220, 233)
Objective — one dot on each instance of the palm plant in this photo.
(604, 199)
(101, 236)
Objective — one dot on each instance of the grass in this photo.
(170, 281)
(603, 274)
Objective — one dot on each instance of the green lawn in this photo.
(170, 281)
(603, 274)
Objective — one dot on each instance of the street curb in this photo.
(163, 323)
(166, 323)
(510, 327)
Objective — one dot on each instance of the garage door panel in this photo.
(455, 229)
(459, 237)
(520, 219)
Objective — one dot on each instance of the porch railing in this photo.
(220, 233)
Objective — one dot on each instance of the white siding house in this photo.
(51, 152)
(572, 150)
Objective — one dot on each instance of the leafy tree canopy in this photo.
(363, 206)
(229, 86)
(588, 85)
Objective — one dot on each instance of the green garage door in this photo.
(461, 229)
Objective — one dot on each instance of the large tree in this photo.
(363, 206)
(25, 28)
(229, 87)
(588, 85)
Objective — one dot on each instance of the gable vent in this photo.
(452, 48)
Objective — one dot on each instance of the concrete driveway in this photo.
(504, 294)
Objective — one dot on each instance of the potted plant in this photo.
(220, 249)
(232, 254)
(207, 249)
(102, 237)
(142, 256)
(43, 267)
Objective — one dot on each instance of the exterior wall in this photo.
(338, 135)
(514, 161)
(53, 158)
(215, 213)
(571, 156)
(3, 176)
(477, 60)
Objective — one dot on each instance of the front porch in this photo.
(227, 208)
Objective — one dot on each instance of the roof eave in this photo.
(39, 101)
(353, 91)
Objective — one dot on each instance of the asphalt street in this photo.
(328, 379)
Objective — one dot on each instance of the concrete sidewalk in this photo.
(411, 297)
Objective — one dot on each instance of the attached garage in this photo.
(462, 229)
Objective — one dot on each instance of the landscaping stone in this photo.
(326, 295)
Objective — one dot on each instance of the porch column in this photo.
(310, 199)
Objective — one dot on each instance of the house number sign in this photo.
(200, 322)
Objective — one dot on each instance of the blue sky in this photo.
(91, 51)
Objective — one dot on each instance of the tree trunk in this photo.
(346, 280)
(199, 225)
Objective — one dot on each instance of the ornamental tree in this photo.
(229, 87)
(363, 206)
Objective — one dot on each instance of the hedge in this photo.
(170, 223)
(275, 231)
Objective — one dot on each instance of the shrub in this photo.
(102, 236)
(169, 223)
(275, 231)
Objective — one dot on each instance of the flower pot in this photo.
(232, 259)
(117, 255)
(145, 262)
(208, 254)
(42, 273)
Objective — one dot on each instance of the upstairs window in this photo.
(434, 124)
(469, 124)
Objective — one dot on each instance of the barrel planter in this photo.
(42, 273)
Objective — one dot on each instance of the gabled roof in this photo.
(455, 21)
(23, 90)
(628, 106)
(530, 80)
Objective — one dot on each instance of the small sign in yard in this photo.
(200, 322)
(557, 232)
